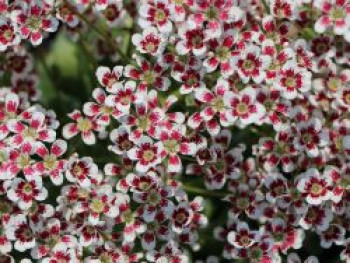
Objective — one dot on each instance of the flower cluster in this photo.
(244, 104)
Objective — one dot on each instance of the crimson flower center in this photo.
(78, 170)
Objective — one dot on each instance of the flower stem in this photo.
(265, 6)
(131, 32)
(97, 30)
(196, 190)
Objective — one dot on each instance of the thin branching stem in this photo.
(201, 191)
(266, 6)
(101, 33)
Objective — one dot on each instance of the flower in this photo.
(214, 14)
(20, 232)
(108, 78)
(82, 170)
(51, 163)
(314, 187)
(181, 217)
(191, 40)
(214, 105)
(150, 41)
(157, 13)
(84, 125)
(222, 54)
(243, 108)
(31, 130)
(241, 104)
(100, 204)
(242, 237)
(311, 137)
(9, 35)
(32, 21)
(292, 80)
(147, 153)
(101, 110)
(173, 145)
(114, 12)
(151, 75)
(280, 150)
(335, 13)
(25, 192)
(251, 64)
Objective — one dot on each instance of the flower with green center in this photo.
(242, 108)
(128, 217)
(24, 160)
(242, 203)
(335, 14)
(5, 207)
(84, 125)
(34, 23)
(333, 84)
(248, 65)
(30, 133)
(144, 123)
(212, 13)
(338, 13)
(149, 77)
(268, 104)
(97, 206)
(50, 162)
(8, 34)
(153, 197)
(172, 146)
(148, 155)
(223, 53)
(218, 104)
(290, 82)
(27, 189)
(316, 188)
